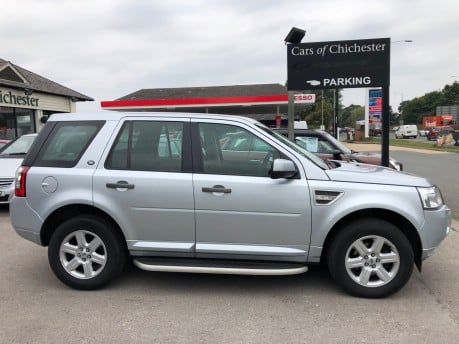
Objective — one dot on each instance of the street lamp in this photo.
(401, 108)
(401, 104)
(295, 35)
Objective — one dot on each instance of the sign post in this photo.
(385, 127)
(291, 116)
(343, 64)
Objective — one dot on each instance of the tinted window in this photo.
(231, 150)
(67, 143)
(148, 146)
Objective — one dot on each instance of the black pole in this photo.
(385, 127)
(335, 114)
(291, 116)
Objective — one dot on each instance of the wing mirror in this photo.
(283, 168)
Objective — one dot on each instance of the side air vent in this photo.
(326, 197)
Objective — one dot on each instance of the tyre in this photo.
(370, 258)
(85, 252)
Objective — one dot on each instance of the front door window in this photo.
(231, 150)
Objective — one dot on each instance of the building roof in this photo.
(260, 101)
(207, 92)
(14, 76)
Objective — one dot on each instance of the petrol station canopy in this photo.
(259, 101)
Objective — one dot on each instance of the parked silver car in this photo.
(177, 192)
(11, 156)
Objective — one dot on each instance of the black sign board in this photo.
(339, 64)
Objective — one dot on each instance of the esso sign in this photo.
(304, 98)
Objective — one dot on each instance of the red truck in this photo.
(429, 122)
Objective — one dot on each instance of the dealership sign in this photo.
(338, 64)
(8, 97)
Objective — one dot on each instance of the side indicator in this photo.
(326, 197)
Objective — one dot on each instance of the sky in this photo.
(107, 49)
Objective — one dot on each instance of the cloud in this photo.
(109, 48)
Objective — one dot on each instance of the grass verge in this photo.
(418, 144)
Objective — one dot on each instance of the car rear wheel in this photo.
(370, 258)
(85, 252)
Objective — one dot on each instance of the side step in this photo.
(229, 267)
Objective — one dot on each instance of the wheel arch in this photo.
(64, 213)
(405, 226)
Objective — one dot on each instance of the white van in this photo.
(407, 131)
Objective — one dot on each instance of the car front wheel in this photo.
(85, 252)
(371, 258)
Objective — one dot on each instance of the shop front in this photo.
(27, 99)
(15, 122)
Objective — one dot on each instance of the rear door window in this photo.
(148, 146)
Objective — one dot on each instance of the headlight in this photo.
(430, 197)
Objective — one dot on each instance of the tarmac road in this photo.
(145, 307)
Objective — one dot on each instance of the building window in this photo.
(15, 122)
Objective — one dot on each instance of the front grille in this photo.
(5, 182)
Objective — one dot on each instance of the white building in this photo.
(27, 98)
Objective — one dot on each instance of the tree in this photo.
(394, 117)
(450, 94)
(415, 109)
(351, 114)
(313, 115)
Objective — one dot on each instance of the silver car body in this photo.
(167, 214)
(216, 194)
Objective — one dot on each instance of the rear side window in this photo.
(148, 146)
(67, 143)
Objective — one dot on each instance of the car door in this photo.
(240, 211)
(145, 183)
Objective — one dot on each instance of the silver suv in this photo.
(216, 194)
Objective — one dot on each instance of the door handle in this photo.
(120, 185)
(216, 189)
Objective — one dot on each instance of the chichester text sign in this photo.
(339, 64)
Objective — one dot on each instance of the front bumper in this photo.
(436, 227)
(6, 194)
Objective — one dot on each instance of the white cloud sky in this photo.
(109, 48)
